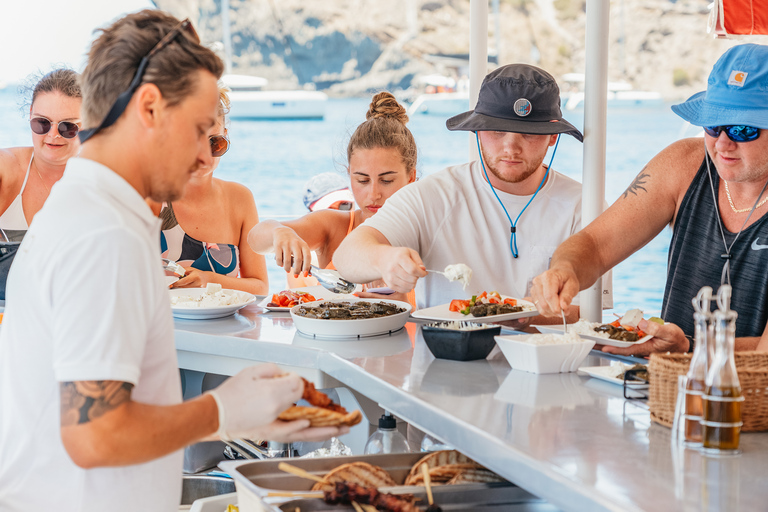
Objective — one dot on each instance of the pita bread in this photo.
(475, 475)
(440, 458)
(360, 473)
(319, 417)
(440, 474)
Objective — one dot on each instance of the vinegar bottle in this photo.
(722, 399)
(696, 378)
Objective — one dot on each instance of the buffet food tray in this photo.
(454, 498)
(258, 481)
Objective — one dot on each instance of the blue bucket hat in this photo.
(737, 91)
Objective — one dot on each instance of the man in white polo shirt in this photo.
(502, 215)
(91, 417)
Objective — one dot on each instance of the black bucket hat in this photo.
(516, 98)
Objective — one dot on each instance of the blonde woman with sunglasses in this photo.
(28, 173)
(206, 230)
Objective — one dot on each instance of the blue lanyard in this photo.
(513, 229)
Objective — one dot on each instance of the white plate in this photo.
(351, 329)
(441, 313)
(317, 292)
(558, 329)
(197, 313)
(610, 374)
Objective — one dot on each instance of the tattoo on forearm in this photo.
(83, 401)
(637, 185)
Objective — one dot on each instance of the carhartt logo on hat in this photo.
(517, 98)
(523, 107)
(737, 78)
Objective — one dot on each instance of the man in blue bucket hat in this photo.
(502, 215)
(713, 194)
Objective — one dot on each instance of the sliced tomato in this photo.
(511, 302)
(458, 304)
(494, 300)
(616, 323)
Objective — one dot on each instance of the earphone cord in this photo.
(725, 276)
(513, 228)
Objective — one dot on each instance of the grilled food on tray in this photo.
(347, 492)
(450, 467)
(324, 412)
(359, 473)
(349, 310)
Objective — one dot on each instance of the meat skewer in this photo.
(428, 486)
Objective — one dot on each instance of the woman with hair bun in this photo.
(28, 173)
(381, 159)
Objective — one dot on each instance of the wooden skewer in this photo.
(357, 507)
(295, 494)
(427, 481)
(284, 466)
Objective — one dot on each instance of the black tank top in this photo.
(695, 261)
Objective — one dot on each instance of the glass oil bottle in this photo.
(722, 400)
(696, 380)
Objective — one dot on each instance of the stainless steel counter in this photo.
(570, 439)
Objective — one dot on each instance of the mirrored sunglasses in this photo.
(219, 144)
(41, 126)
(737, 133)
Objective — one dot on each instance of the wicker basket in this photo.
(753, 377)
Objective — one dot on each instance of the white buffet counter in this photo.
(570, 439)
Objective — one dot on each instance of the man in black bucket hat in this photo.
(713, 192)
(502, 215)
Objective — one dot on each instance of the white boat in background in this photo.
(250, 101)
(440, 104)
(620, 94)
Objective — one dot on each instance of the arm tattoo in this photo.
(637, 185)
(83, 401)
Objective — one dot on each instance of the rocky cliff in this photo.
(351, 47)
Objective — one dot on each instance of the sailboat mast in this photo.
(226, 36)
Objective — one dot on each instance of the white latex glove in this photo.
(250, 401)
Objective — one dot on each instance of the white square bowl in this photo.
(561, 358)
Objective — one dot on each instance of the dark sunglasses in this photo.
(219, 144)
(41, 126)
(118, 107)
(737, 133)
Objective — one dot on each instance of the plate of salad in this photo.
(484, 307)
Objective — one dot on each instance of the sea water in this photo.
(274, 159)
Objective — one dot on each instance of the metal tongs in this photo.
(331, 280)
(173, 267)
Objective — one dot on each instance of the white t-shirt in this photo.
(453, 217)
(86, 300)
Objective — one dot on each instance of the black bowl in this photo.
(460, 344)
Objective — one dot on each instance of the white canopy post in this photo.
(595, 113)
(478, 58)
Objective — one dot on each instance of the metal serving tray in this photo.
(257, 479)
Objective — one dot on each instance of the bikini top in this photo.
(12, 221)
(177, 245)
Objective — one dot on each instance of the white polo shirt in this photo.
(86, 300)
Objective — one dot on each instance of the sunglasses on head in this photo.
(737, 133)
(219, 144)
(118, 107)
(41, 126)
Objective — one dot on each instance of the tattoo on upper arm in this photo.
(83, 401)
(637, 185)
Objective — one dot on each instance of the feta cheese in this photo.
(458, 272)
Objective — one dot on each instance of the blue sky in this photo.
(40, 34)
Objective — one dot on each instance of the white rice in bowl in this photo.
(552, 339)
